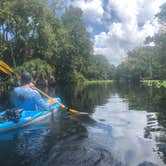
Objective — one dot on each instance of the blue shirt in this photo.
(28, 99)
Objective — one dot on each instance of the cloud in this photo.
(127, 23)
(93, 9)
(109, 45)
(133, 22)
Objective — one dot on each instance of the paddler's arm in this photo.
(41, 102)
(50, 101)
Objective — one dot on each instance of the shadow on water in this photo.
(126, 127)
(78, 149)
(32, 145)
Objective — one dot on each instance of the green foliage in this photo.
(56, 4)
(162, 14)
(98, 82)
(40, 70)
(79, 38)
(99, 68)
(30, 30)
(155, 83)
(139, 65)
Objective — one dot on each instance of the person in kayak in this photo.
(27, 98)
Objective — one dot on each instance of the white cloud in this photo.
(136, 22)
(109, 45)
(128, 23)
(93, 9)
(148, 10)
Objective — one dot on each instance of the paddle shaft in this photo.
(60, 104)
(49, 97)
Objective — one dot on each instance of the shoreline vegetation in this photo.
(59, 50)
(154, 83)
(92, 82)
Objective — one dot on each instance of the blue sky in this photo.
(117, 26)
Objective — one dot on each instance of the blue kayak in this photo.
(28, 117)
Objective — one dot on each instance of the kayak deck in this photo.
(28, 117)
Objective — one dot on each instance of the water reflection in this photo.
(126, 128)
(84, 98)
(128, 143)
(154, 102)
(136, 114)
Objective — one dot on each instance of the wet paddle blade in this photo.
(4, 71)
(5, 68)
(77, 112)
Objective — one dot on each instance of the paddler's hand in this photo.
(52, 101)
(31, 85)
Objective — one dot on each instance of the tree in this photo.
(79, 38)
(30, 30)
(99, 68)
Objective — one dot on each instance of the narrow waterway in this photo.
(126, 127)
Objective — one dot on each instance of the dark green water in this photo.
(126, 127)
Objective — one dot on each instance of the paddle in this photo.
(8, 70)
(60, 104)
(5, 68)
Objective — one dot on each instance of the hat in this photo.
(25, 78)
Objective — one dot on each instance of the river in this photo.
(126, 127)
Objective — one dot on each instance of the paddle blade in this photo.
(4, 71)
(72, 111)
(5, 68)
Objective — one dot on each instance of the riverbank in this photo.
(92, 82)
(154, 83)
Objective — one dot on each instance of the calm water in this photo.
(126, 127)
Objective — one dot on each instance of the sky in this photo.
(118, 26)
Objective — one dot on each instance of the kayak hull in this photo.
(28, 117)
